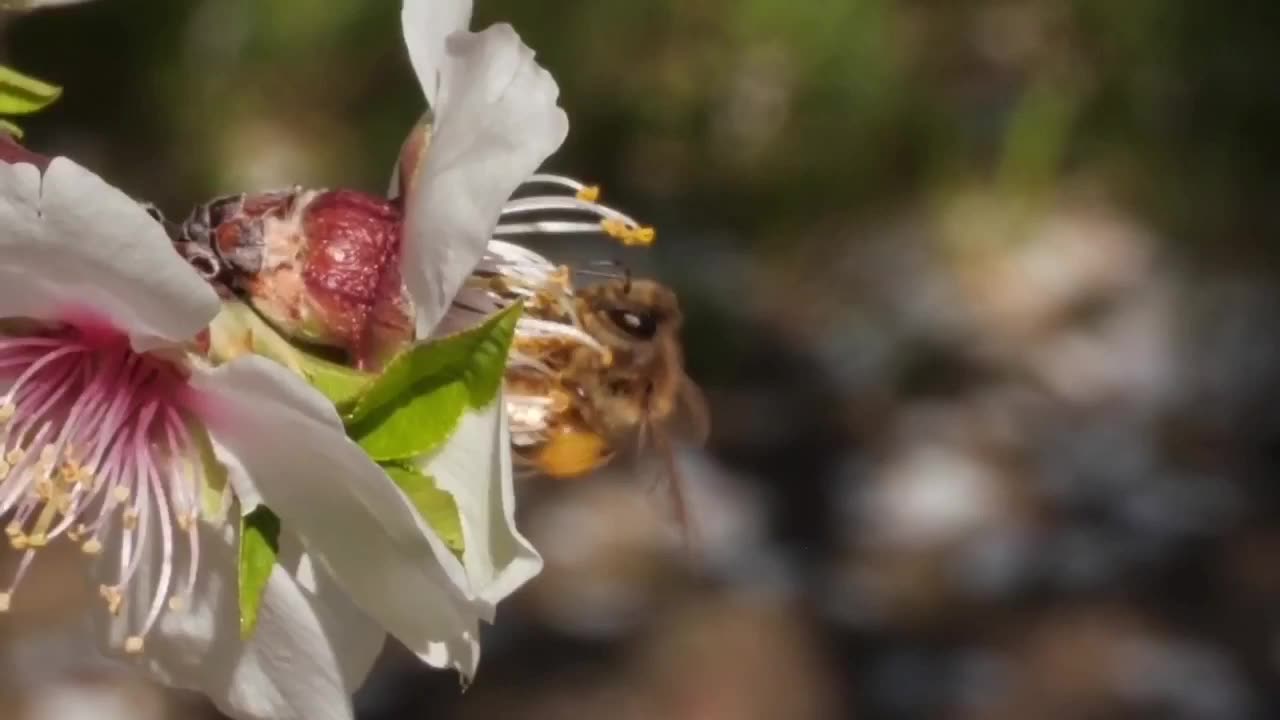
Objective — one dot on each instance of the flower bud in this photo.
(320, 266)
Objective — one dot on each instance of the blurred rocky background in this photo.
(983, 294)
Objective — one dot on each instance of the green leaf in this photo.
(259, 545)
(436, 506)
(416, 402)
(21, 94)
(341, 384)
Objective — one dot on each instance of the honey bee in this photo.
(620, 389)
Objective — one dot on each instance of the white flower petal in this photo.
(426, 24)
(495, 121)
(475, 467)
(352, 519)
(74, 245)
(310, 650)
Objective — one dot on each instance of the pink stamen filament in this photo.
(94, 445)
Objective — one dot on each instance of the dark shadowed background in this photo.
(983, 294)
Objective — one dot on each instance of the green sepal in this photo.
(238, 329)
(415, 404)
(259, 547)
(437, 507)
(22, 95)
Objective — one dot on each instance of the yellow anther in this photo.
(133, 644)
(37, 540)
(18, 542)
(14, 456)
(130, 519)
(641, 236)
(92, 546)
(183, 520)
(590, 193)
(68, 472)
(5, 601)
(627, 235)
(121, 493)
(43, 522)
(7, 411)
(113, 598)
(4, 469)
(176, 603)
(13, 529)
(48, 454)
(614, 228)
(85, 477)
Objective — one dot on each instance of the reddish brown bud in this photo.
(322, 266)
(353, 272)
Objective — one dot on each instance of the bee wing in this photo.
(690, 420)
(673, 483)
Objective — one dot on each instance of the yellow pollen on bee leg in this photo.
(590, 193)
(133, 644)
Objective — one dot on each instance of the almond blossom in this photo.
(116, 436)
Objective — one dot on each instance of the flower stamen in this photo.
(590, 216)
(94, 445)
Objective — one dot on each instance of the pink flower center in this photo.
(97, 444)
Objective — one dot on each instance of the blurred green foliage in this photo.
(762, 116)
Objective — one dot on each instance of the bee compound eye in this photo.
(640, 325)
